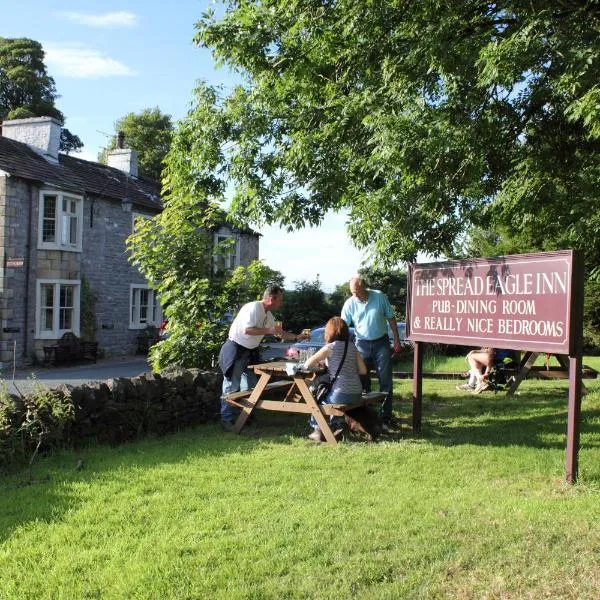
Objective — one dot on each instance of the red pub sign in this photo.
(520, 302)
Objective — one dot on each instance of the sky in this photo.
(110, 58)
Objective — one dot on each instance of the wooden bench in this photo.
(367, 399)
(235, 397)
(70, 348)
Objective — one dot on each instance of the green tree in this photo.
(25, 86)
(305, 306)
(26, 89)
(149, 133)
(174, 251)
(421, 120)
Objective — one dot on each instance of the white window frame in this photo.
(57, 244)
(56, 332)
(234, 257)
(153, 320)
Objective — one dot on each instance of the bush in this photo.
(37, 421)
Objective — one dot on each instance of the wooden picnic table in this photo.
(290, 393)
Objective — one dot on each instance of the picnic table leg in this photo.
(252, 400)
(563, 360)
(526, 365)
(316, 410)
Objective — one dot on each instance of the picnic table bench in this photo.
(291, 394)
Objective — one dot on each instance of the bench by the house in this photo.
(70, 348)
(146, 339)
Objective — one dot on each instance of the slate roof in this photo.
(78, 176)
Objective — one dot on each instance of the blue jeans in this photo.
(241, 379)
(336, 397)
(378, 354)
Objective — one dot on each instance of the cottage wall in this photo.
(248, 248)
(103, 265)
(14, 207)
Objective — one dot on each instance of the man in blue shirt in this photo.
(369, 312)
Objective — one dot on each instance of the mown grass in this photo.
(473, 507)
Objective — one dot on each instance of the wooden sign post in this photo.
(531, 302)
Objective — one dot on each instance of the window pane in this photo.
(144, 305)
(65, 316)
(69, 230)
(47, 318)
(49, 219)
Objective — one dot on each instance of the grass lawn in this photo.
(473, 507)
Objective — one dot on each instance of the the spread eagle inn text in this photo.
(467, 304)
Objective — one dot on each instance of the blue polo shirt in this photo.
(370, 318)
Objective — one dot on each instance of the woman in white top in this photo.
(347, 388)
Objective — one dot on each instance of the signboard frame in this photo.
(435, 291)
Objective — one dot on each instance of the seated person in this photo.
(347, 388)
(480, 362)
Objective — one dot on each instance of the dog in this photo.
(364, 419)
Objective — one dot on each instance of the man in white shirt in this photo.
(251, 324)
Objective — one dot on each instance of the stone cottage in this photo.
(63, 226)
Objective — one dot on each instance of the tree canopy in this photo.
(175, 252)
(149, 133)
(26, 89)
(422, 120)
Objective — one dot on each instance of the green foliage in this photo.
(26, 89)
(69, 142)
(88, 299)
(339, 295)
(175, 252)
(422, 122)
(149, 133)
(591, 316)
(39, 420)
(305, 306)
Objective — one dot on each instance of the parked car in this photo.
(317, 341)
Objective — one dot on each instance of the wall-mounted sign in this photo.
(522, 302)
(14, 263)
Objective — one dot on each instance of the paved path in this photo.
(75, 375)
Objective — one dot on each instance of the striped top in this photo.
(348, 381)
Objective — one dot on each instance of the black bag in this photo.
(324, 388)
(322, 391)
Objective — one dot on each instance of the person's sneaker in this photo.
(481, 387)
(316, 435)
(228, 426)
(466, 387)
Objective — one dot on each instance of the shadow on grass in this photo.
(533, 419)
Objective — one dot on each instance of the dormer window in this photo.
(60, 221)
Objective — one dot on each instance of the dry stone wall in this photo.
(119, 410)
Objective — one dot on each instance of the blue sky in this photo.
(110, 58)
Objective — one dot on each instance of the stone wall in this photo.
(118, 410)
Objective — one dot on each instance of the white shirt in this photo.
(252, 314)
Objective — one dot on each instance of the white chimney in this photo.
(125, 160)
(41, 133)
